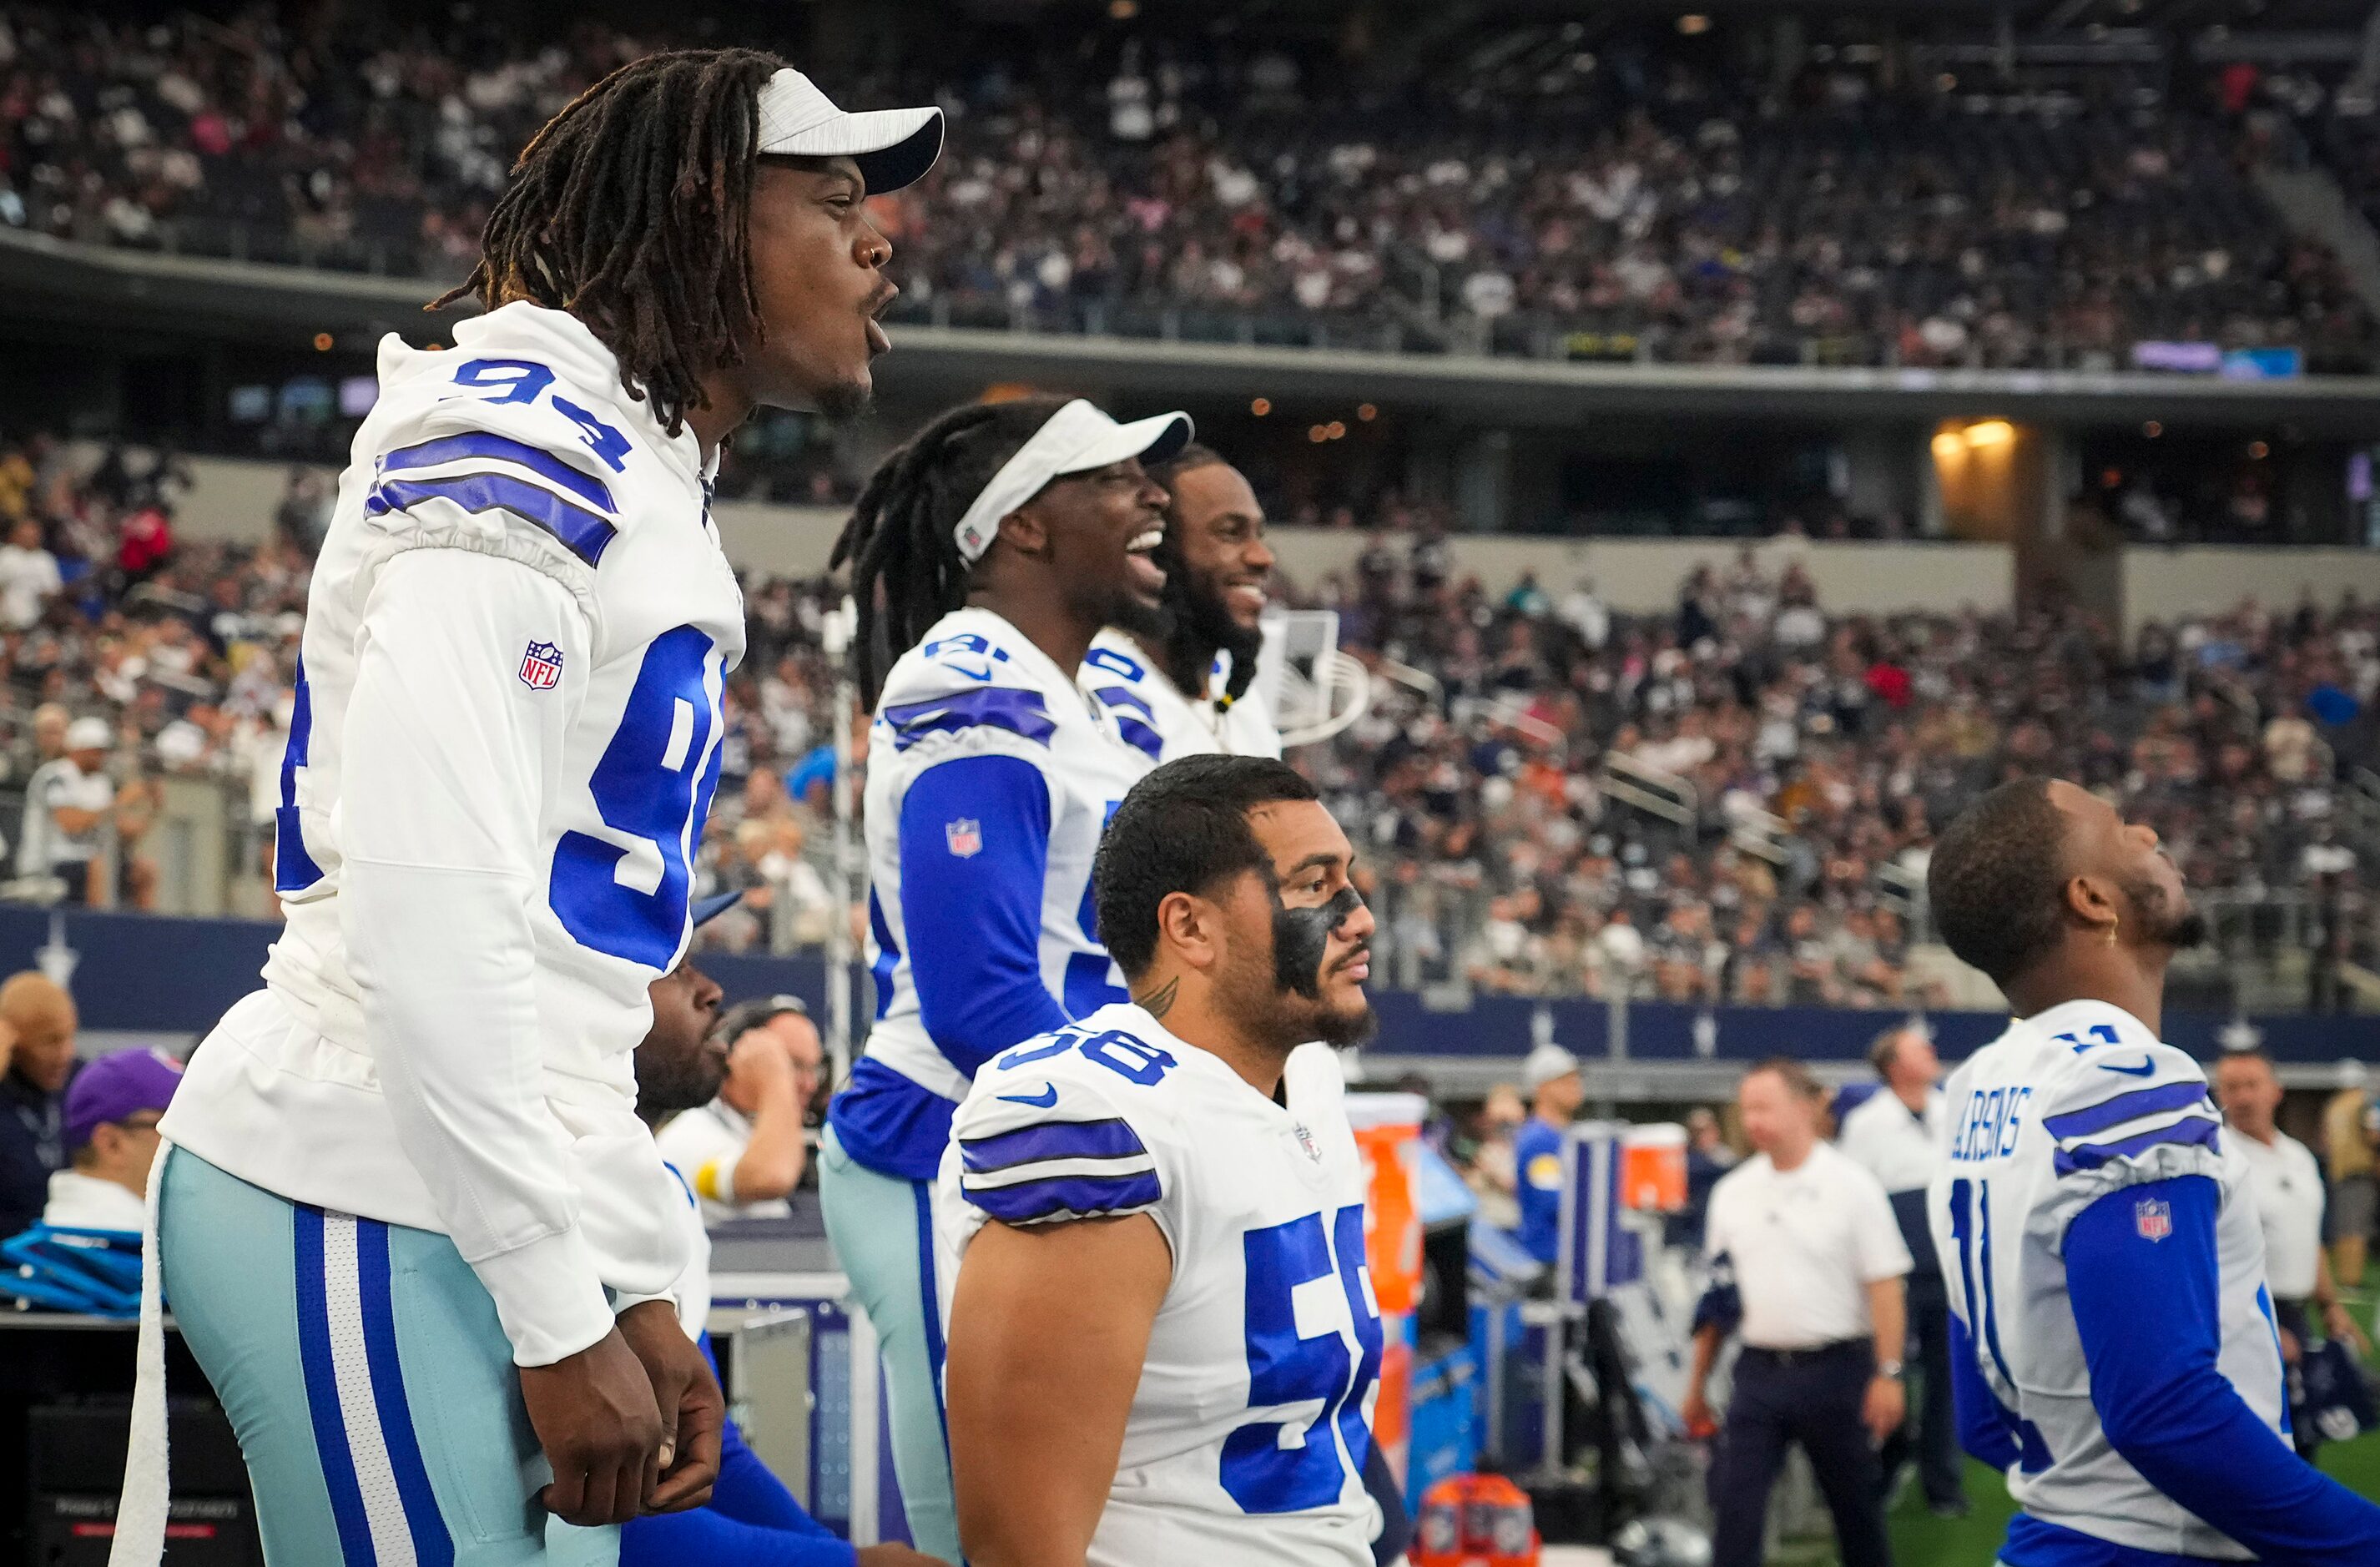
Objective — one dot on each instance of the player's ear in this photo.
(1188, 924)
(1024, 531)
(2090, 902)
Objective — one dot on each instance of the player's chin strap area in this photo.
(140, 1507)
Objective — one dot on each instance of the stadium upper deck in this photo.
(1558, 190)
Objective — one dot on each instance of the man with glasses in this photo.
(111, 1134)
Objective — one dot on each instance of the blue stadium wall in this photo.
(151, 973)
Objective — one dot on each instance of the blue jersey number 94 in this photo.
(655, 783)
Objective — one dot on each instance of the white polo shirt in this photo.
(705, 1145)
(1805, 1243)
(2288, 1183)
(1893, 1143)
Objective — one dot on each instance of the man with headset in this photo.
(745, 1149)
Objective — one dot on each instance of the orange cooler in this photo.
(1653, 1167)
(1388, 1134)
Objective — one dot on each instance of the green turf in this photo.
(1920, 1540)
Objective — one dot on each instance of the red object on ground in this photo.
(1476, 1521)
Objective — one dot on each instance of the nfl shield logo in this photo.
(2153, 1218)
(541, 667)
(965, 837)
(1305, 1140)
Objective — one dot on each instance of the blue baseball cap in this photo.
(707, 909)
(117, 1085)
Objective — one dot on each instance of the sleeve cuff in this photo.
(549, 1296)
(623, 1302)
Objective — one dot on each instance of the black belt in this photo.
(1840, 1347)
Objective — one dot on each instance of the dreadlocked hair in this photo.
(630, 210)
(902, 542)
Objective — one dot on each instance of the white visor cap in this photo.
(893, 147)
(1075, 438)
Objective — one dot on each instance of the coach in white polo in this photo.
(2287, 1180)
(1896, 1135)
(1818, 1264)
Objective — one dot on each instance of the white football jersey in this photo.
(1156, 715)
(2063, 1110)
(505, 746)
(975, 687)
(1251, 1423)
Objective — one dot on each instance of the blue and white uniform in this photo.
(1164, 720)
(505, 742)
(1251, 1423)
(2112, 1338)
(991, 775)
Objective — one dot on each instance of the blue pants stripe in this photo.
(322, 1393)
(433, 1547)
(928, 1294)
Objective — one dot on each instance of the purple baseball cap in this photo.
(117, 1085)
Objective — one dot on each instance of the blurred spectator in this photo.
(2349, 1138)
(28, 577)
(112, 1111)
(1708, 1156)
(746, 1150)
(2287, 1187)
(1493, 1169)
(304, 514)
(40, 1018)
(1896, 1136)
(1556, 1088)
(67, 805)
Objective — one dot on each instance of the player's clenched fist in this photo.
(686, 1395)
(595, 1417)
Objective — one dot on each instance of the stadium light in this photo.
(1366, 412)
(1948, 445)
(1989, 433)
(1693, 22)
(1261, 407)
(322, 341)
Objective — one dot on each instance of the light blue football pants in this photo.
(368, 1380)
(882, 1228)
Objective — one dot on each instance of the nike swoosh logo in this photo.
(2144, 1069)
(1042, 1101)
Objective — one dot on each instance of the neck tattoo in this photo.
(1159, 1002)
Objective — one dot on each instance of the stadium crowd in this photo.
(1549, 201)
(1803, 759)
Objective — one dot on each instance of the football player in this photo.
(1217, 566)
(998, 541)
(1163, 1337)
(2112, 1341)
(1188, 689)
(751, 1518)
(414, 1233)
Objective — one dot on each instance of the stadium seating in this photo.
(1626, 208)
(1555, 799)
